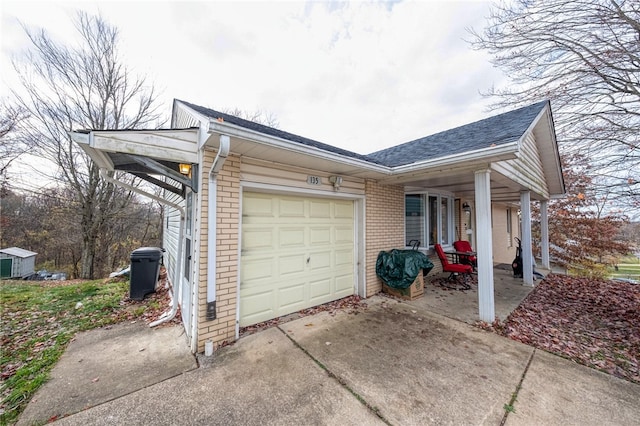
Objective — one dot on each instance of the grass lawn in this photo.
(592, 322)
(39, 319)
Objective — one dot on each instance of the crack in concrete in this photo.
(514, 396)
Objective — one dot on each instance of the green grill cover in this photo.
(400, 268)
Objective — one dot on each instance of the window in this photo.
(428, 218)
(414, 218)
(189, 212)
(444, 221)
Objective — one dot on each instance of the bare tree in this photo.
(11, 146)
(584, 55)
(84, 86)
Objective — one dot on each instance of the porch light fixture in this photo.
(466, 207)
(336, 181)
(184, 169)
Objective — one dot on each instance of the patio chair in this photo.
(463, 245)
(455, 269)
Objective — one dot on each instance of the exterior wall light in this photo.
(466, 207)
(184, 169)
(336, 181)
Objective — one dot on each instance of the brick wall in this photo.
(227, 226)
(384, 226)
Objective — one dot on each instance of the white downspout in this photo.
(218, 162)
(169, 315)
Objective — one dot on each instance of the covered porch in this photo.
(463, 305)
(506, 162)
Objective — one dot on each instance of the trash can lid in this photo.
(146, 252)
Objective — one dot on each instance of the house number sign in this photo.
(314, 180)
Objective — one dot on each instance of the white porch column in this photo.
(527, 254)
(544, 234)
(484, 246)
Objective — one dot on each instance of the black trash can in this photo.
(145, 268)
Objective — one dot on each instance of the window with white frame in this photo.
(428, 219)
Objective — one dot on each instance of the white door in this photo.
(185, 291)
(296, 253)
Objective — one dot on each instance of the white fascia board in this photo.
(79, 137)
(544, 118)
(84, 141)
(554, 146)
(506, 151)
(247, 134)
(172, 145)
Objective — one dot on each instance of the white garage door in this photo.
(296, 253)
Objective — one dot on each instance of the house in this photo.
(17, 263)
(261, 223)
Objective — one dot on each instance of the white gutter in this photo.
(508, 150)
(218, 162)
(276, 142)
(169, 315)
(494, 153)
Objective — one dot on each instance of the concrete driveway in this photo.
(391, 363)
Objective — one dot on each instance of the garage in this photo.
(296, 252)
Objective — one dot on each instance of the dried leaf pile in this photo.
(593, 322)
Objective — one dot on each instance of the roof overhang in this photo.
(165, 149)
(545, 134)
(144, 153)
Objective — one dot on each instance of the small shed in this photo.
(17, 263)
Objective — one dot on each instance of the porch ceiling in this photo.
(462, 184)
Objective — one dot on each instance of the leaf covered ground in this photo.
(592, 322)
(40, 318)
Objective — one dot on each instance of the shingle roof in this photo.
(213, 114)
(497, 130)
(493, 131)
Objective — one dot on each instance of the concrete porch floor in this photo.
(463, 305)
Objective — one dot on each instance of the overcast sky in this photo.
(360, 76)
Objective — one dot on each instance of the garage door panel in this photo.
(291, 208)
(291, 237)
(319, 235)
(343, 235)
(320, 288)
(343, 210)
(297, 253)
(343, 257)
(257, 306)
(344, 285)
(291, 264)
(257, 268)
(257, 205)
(292, 297)
(319, 209)
(257, 238)
(320, 261)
